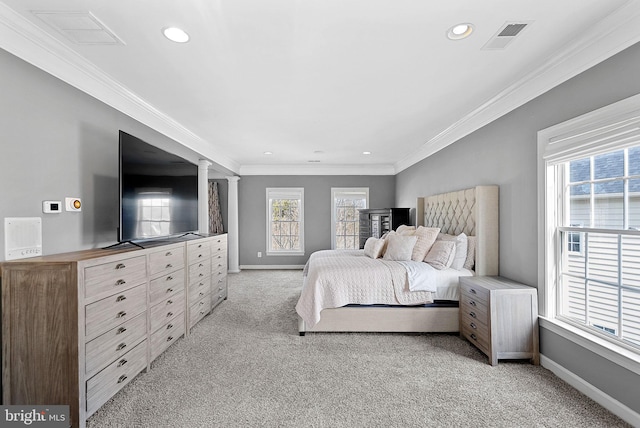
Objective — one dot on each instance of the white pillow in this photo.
(374, 247)
(461, 249)
(426, 237)
(403, 229)
(471, 253)
(399, 247)
(441, 254)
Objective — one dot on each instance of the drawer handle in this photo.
(219, 273)
(121, 282)
(201, 274)
(220, 288)
(219, 281)
(169, 290)
(169, 339)
(473, 326)
(169, 314)
(169, 302)
(473, 336)
(169, 326)
(472, 291)
(199, 256)
(201, 303)
(169, 253)
(121, 346)
(120, 266)
(200, 265)
(199, 245)
(169, 278)
(122, 378)
(122, 362)
(201, 294)
(201, 312)
(120, 298)
(121, 330)
(201, 284)
(219, 257)
(473, 314)
(472, 303)
(169, 265)
(121, 314)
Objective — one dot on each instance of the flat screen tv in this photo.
(158, 192)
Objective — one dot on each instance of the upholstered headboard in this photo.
(473, 211)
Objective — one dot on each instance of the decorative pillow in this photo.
(426, 237)
(441, 254)
(374, 247)
(403, 229)
(471, 253)
(461, 249)
(399, 247)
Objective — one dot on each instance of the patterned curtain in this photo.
(215, 217)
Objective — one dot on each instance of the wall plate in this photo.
(51, 207)
(22, 237)
(73, 204)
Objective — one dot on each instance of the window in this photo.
(345, 204)
(590, 258)
(154, 213)
(285, 221)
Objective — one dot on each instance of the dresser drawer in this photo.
(112, 311)
(219, 267)
(199, 270)
(115, 276)
(219, 284)
(217, 298)
(199, 309)
(475, 308)
(475, 326)
(164, 337)
(166, 310)
(166, 286)
(482, 342)
(198, 251)
(165, 261)
(113, 344)
(473, 291)
(199, 289)
(105, 384)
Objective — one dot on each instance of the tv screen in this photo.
(158, 192)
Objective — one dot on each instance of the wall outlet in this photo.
(259, 254)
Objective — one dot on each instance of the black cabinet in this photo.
(376, 222)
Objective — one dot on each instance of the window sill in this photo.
(615, 353)
(283, 253)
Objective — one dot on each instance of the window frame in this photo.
(292, 193)
(335, 191)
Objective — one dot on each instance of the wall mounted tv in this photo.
(158, 192)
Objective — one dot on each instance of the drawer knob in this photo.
(169, 265)
(121, 282)
(169, 339)
(121, 314)
(220, 288)
(473, 336)
(201, 312)
(120, 266)
(473, 314)
(473, 326)
(200, 265)
(199, 245)
(472, 303)
(169, 253)
(472, 291)
(201, 284)
(169, 314)
(169, 302)
(122, 362)
(169, 278)
(121, 346)
(201, 303)
(122, 378)
(169, 326)
(121, 330)
(199, 256)
(201, 294)
(120, 298)
(201, 274)
(169, 290)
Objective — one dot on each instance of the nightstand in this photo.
(500, 317)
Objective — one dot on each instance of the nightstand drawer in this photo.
(472, 335)
(475, 326)
(474, 308)
(474, 291)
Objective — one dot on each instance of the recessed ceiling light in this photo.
(460, 31)
(366, 153)
(175, 34)
(268, 153)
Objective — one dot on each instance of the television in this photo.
(158, 192)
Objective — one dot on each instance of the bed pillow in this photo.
(399, 247)
(441, 254)
(403, 229)
(374, 247)
(470, 262)
(426, 237)
(461, 249)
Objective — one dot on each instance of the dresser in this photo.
(376, 222)
(78, 327)
(500, 317)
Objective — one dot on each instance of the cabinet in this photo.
(376, 222)
(500, 317)
(77, 327)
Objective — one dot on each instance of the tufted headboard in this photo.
(473, 211)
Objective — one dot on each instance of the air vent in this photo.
(505, 35)
(81, 28)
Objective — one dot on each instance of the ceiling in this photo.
(317, 83)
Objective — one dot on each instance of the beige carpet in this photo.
(246, 366)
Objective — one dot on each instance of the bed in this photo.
(395, 308)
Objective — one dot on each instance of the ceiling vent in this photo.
(81, 28)
(507, 34)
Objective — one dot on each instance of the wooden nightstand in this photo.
(500, 317)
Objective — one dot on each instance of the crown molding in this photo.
(608, 37)
(22, 38)
(315, 169)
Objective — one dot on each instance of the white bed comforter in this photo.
(335, 278)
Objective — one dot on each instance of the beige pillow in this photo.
(426, 237)
(399, 247)
(374, 247)
(470, 262)
(461, 249)
(403, 229)
(441, 254)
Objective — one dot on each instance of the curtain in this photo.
(215, 217)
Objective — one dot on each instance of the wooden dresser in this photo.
(500, 317)
(77, 327)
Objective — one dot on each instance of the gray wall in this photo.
(504, 153)
(252, 207)
(55, 142)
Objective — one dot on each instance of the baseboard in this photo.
(274, 267)
(605, 400)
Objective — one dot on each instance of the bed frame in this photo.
(473, 211)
